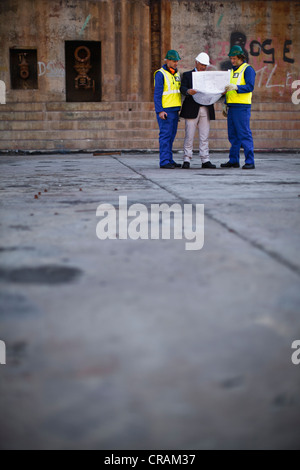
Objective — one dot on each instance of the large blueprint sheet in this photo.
(210, 86)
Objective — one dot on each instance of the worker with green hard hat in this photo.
(172, 55)
(237, 109)
(235, 50)
(167, 102)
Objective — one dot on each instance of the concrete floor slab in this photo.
(141, 344)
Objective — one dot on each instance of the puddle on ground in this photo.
(48, 274)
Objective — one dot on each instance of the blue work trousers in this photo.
(167, 134)
(239, 133)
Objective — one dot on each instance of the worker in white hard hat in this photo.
(196, 115)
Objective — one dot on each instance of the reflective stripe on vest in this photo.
(237, 77)
(171, 96)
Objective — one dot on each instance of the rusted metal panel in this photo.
(83, 71)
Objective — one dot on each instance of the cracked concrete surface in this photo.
(123, 344)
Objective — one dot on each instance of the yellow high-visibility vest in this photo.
(171, 96)
(237, 77)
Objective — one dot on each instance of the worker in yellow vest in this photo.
(167, 102)
(237, 107)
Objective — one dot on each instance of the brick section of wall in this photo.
(130, 126)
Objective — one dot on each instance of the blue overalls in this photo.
(238, 122)
(167, 127)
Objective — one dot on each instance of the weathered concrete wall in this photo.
(134, 36)
(122, 26)
(269, 31)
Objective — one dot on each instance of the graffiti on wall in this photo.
(270, 58)
(52, 69)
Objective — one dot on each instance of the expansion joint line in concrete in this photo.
(275, 256)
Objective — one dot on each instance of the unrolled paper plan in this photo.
(210, 86)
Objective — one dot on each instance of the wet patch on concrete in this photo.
(272, 183)
(227, 173)
(4, 249)
(283, 400)
(232, 382)
(71, 169)
(211, 174)
(20, 227)
(16, 353)
(48, 274)
(76, 202)
(15, 305)
(19, 186)
(277, 182)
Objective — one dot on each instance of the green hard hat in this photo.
(172, 55)
(235, 50)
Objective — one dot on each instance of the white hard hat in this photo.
(203, 58)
